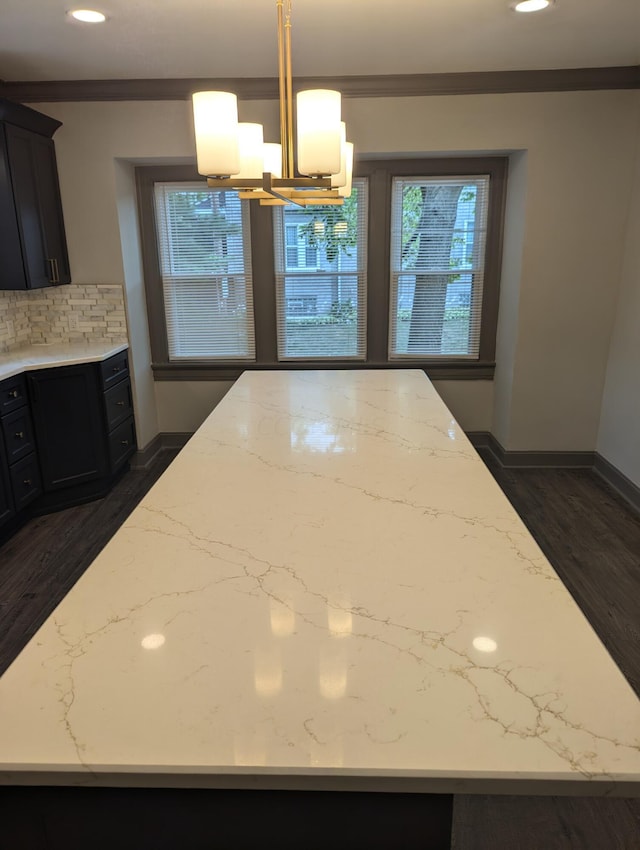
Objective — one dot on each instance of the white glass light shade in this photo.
(340, 178)
(318, 117)
(345, 191)
(215, 116)
(251, 151)
(273, 159)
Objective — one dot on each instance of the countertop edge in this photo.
(289, 779)
(29, 358)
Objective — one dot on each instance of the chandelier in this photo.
(233, 155)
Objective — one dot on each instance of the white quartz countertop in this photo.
(45, 356)
(325, 589)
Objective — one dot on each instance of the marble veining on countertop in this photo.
(48, 355)
(325, 589)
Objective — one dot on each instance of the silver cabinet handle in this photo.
(54, 270)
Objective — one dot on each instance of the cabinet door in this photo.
(39, 212)
(66, 406)
(12, 275)
(6, 499)
(44, 158)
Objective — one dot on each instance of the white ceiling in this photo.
(237, 38)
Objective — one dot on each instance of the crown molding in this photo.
(398, 85)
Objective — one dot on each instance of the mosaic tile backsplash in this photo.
(62, 314)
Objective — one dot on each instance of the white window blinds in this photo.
(205, 264)
(321, 279)
(438, 231)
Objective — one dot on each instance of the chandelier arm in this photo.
(282, 86)
(289, 93)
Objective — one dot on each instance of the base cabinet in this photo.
(66, 433)
(20, 482)
(7, 510)
(68, 423)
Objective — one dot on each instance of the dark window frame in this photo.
(380, 174)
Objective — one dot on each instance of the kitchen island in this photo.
(325, 593)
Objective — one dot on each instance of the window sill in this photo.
(446, 370)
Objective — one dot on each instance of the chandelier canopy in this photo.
(233, 155)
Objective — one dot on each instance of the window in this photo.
(299, 252)
(321, 277)
(205, 265)
(404, 275)
(438, 229)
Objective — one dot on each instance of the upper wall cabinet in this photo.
(33, 247)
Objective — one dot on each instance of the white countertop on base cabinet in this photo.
(48, 356)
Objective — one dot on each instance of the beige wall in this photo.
(184, 405)
(509, 315)
(142, 383)
(471, 402)
(619, 437)
(563, 260)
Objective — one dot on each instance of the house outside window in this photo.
(299, 253)
(321, 279)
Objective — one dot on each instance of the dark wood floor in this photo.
(589, 535)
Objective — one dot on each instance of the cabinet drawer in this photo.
(118, 404)
(13, 394)
(25, 481)
(18, 434)
(122, 444)
(114, 369)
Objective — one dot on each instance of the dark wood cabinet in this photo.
(20, 483)
(7, 510)
(33, 248)
(66, 434)
(84, 428)
(66, 407)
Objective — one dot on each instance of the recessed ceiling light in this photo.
(531, 5)
(88, 16)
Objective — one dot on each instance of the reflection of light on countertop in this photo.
(283, 617)
(316, 437)
(340, 621)
(333, 685)
(332, 677)
(267, 673)
(153, 641)
(485, 644)
(452, 429)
